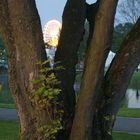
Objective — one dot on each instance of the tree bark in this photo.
(21, 30)
(118, 76)
(93, 74)
(71, 35)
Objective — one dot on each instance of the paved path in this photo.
(8, 114)
(122, 124)
(125, 124)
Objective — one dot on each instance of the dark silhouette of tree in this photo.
(120, 31)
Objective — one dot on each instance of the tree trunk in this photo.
(117, 78)
(71, 35)
(21, 31)
(94, 72)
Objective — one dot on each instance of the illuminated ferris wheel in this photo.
(51, 33)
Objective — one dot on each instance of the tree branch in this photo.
(119, 74)
(93, 74)
(71, 35)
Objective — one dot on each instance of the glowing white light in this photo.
(51, 32)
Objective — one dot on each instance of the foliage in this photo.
(120, 31)
(50, 131)
(46, 96)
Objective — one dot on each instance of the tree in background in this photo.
(128, 13)
(93, 116)
(120, 31)
(129, 10)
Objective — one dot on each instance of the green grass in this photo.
(9, 106)
(127, 112)
(9, 130)
(136, 76)
(125, 136)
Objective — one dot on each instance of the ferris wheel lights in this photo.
(51, 33)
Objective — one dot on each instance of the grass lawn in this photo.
(127, 112)
(136, 76)
(125, 136)
(9, 130)
(9, 106)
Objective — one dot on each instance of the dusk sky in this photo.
(51, 9)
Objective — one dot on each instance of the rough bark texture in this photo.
(21, 30)
(117, 78)
(91, 84)
(70, 38)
